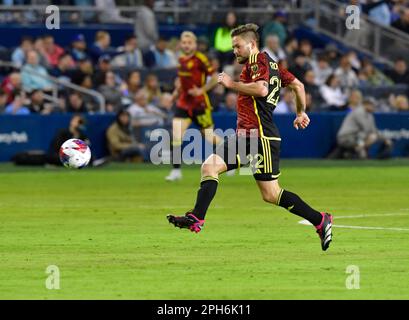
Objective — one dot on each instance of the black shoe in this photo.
(324, 230)
(188, 221)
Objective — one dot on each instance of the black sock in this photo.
(176, 154)
(296, 205)
(205, 195)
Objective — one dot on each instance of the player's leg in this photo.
(266, 175)
(225, 158)
(194, 219)
(210, 136)
(179, 127)
(274, 194)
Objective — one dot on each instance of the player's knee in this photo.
(271, 196)
(209, 169)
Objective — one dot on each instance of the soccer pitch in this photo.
(106, 231)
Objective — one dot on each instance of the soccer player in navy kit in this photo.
(259, 92)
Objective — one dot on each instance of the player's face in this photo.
(241, 49)
(188, 45)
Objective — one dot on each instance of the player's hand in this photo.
(225, 80)
(195, 91)
(301, 121)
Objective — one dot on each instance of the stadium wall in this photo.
(35, 132)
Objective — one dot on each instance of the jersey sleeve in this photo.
(206, 65)
(286, 77)
(258, 67)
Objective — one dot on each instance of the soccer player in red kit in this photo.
(259, 91)
(195, 78)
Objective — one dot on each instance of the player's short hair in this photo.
(188, 34)
(247, 31)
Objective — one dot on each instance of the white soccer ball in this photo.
(75, 153)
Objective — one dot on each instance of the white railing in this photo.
(381, 42)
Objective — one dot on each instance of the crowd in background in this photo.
(334, 80)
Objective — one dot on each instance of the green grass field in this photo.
(106, 230)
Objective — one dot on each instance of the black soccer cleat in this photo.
(324, 230)
(188, 221)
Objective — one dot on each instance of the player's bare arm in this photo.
(196, 91)
(175, 93)
(256, 89)
(302, 120)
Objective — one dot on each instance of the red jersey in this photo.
(193, 71)
(257, 112)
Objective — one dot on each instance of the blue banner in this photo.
(35, 132)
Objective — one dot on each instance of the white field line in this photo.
(305, 222)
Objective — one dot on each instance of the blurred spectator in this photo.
(85, 67)
(372, 76)
(222, 39)
(276, 27)
(286, 103)
(400, 72)
(33, 75)
(104, 65)
(159, 56)
(152, 88)
(203, 45)
(16, 107)
(19, 54)
(100, 46)
(311, 88)
(111, 93)
(305, 49)
(11, 84)
(354, 60)
(332, 94)
(354, 100)
(42, 54)
(358, 133)
(76, 130)
(300, 66)
(63, 70)
(230, 102)
(131, 87)
(38, 104)
(346, 75)
(378, 11)
(3, 100)
(322, 70)
(403, 22)
(121, 139)
(273, 48)
(109, 12)
(143, 113)
(146, 29)
(290, 48)
(332, 52)
(52, 51)
(79, 48)
(166, 103)
(399, 103)
(130, 56)
(75, 103)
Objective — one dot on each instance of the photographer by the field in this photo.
(358, 133)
